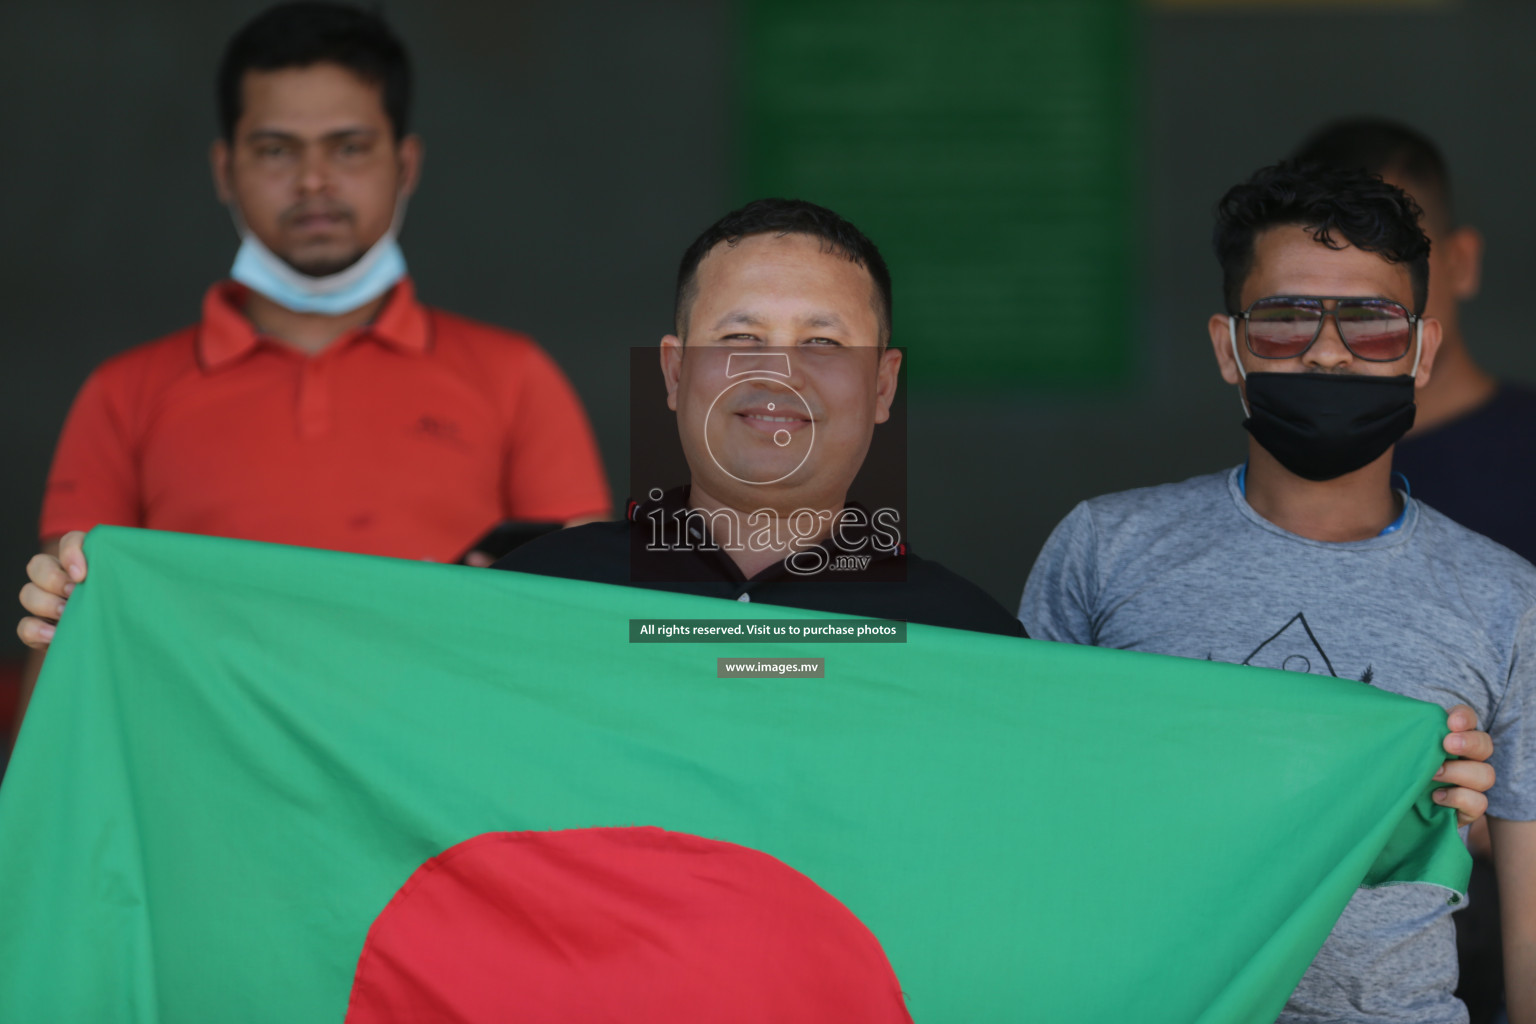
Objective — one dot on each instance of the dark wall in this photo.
(573, 150)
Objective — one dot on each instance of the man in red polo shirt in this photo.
(317, 402)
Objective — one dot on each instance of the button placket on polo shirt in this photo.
(315, 395)
(317, 382)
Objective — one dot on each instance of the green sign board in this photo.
(986, 147)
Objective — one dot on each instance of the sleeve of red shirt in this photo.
(554, 471)
(94, 477)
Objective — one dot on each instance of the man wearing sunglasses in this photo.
(1308, 558)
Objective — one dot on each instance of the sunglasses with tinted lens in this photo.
(1285, 326)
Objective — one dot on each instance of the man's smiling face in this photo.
(783, 378)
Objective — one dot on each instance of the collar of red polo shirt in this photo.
(226, 333)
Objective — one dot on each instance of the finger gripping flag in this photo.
(273, 784)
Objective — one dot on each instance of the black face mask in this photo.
(1323, 425)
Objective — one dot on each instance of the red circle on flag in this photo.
(617, 924)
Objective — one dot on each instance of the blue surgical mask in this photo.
(376, 271)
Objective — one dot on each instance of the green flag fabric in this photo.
(239, 754)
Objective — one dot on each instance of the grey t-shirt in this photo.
(1430, 610)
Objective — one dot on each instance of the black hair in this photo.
(300, 35)
(786, 217)
(1384, 147)
(1339, 206)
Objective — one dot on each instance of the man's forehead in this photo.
(756, 317)
(785, 248)
(781, 272)
(1294, 252)
(318, 99)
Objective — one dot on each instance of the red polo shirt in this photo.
(409, 437)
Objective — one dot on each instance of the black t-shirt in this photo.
(890, 584)
(1480, 469)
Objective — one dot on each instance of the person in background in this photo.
(1471, 434)
(317, 402)
(1306, 558)
(1474, 436)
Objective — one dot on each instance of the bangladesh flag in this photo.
(271, 784)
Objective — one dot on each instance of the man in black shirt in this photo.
(780, 369)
